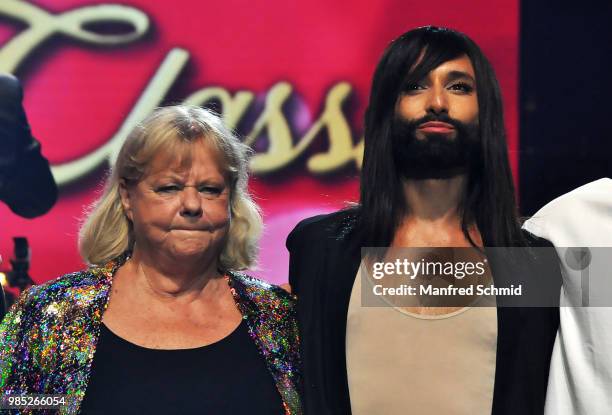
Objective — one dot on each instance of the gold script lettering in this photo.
(43, 25)
(338, 130)
(152, 96)
(233, 108)
(281, 149)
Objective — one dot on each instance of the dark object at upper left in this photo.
(26, 183)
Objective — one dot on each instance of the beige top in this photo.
(399, 362)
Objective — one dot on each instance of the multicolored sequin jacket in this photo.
(48, 338)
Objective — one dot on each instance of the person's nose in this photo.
(437, 101)
(191, 202)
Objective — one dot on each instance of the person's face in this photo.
(448, 90)
(180, 212)
(435, 128)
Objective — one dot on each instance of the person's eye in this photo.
(211, 190)
(462, 87)
(412, 88)
(168, 189)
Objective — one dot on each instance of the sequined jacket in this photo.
(48, 338)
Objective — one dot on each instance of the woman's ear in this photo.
(124, 193)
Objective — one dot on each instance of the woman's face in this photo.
(180, 212)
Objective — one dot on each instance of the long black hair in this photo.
(489, 198)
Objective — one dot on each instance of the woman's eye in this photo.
(211, 190)
(463, 87)
(170, 188)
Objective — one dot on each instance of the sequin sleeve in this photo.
(270, 314)
(14, 334)
(48, 337)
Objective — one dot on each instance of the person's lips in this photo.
(436, 127)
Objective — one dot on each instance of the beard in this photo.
(435, 156)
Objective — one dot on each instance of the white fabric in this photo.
(580, 381)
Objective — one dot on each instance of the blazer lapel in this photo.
(270, 332)
(341, 264)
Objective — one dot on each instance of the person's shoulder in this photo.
(10, 87)
(577, 207)
(535, 241)
(327, 221)
(260, 291)
(335, 224)
(60, 293)
(8, 79)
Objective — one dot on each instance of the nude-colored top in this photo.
(400, 363)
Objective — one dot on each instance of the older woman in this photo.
(162, 322)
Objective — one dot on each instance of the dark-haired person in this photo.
(26, 183)
(436, 174)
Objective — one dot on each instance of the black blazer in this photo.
(324, 260)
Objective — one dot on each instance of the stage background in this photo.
(280, 72)
(565, 98)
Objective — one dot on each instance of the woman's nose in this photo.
(191, 202)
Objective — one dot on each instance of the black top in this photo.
(226, 377)
(324, 258)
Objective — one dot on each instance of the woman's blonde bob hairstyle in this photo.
(107, 232)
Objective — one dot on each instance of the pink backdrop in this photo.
(79, 92)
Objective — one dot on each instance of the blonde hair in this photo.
(107, 232)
